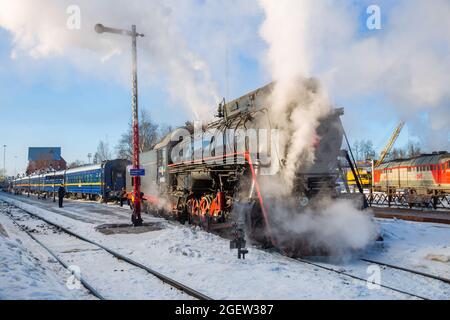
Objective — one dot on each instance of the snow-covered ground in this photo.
(102, 271)
(204, 262)
(22, 276)
(28, 272)
(420, 246)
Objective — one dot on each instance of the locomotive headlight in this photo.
(303, 201)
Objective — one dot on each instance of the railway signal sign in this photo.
(99, 28)
(137, 172)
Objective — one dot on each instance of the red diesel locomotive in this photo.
(428, 174)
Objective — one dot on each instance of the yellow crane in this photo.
(390, 144)
(364, 175)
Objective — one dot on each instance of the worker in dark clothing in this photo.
(123, 195)
(61, 195)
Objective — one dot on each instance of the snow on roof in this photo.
(424, 159)
(84, 168)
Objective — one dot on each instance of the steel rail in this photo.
(423, 274)
(358, 278)
(189, 291)
(90, 288)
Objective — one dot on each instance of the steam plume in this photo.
(406, 63)
(296, 104)
(334, 228)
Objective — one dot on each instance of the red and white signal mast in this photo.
(99, 28)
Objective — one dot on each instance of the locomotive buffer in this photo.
(99, 28)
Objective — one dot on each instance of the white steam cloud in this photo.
(297, 105)
(407, 62)
(335, 228)
(39, 29)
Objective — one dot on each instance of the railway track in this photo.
(198, 295)
(83, 281)
(383, 264)
(423, 274)
(165, 279)
(318, 265)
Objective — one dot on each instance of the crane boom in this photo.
(390, 144)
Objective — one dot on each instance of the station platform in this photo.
(413, 215)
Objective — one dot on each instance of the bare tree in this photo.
(367, 150)
(124, 148)
(397, 153)
(357, 150)
(393, 155)
(75, 164)
(413, 149)
(103, 152)
(165, 130)
(149, 134)
(363, 150)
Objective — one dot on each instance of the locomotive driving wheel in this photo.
(192, 206)
(205, 205)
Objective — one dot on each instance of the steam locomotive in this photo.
(216, 174)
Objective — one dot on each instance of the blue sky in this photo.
(51, 102)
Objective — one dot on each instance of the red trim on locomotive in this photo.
(261, 201)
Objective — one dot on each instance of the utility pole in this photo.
(136, 217)
(89, 157)
(4, 160)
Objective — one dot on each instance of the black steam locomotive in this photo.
(219, 175)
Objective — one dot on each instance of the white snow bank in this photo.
(416, 245)
(22, 277)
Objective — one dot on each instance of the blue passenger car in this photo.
(52, 181)
(84, 180)
(100, 181)
(36, 183)
(103, 181)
